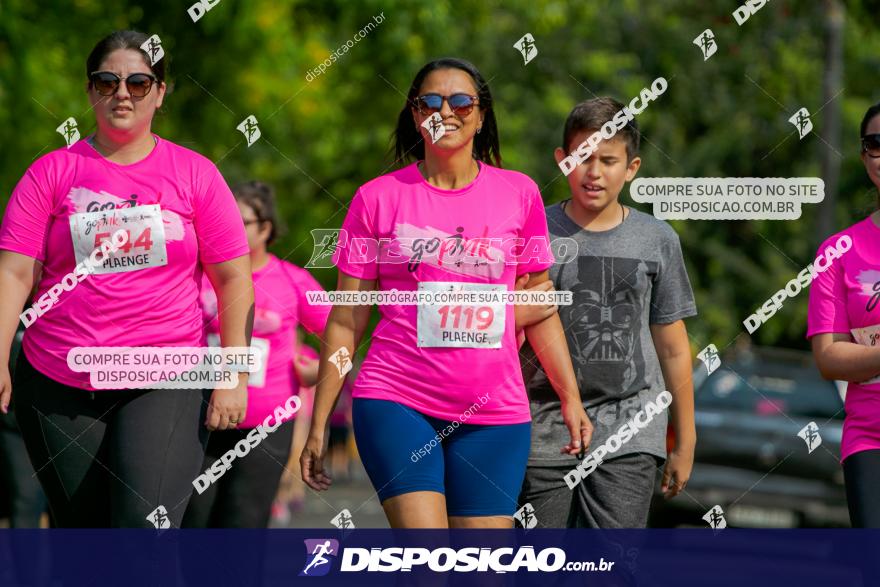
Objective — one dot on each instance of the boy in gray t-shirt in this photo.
(627, 339)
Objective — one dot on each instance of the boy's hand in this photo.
(677, 471)
(528, 315)
(579, 427)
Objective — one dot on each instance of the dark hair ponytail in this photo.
(260, 197)
(123, 40)
(408, 141)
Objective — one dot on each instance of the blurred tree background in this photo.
(727, 116)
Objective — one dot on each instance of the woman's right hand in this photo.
(5, 388)
(312, 464)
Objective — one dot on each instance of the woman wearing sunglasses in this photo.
(440, 413)
(844, 325)
(120, 457)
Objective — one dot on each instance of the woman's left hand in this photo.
(228, 407)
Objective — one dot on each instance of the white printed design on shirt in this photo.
(85, 200)
(461, 325)
(146, 238)
(868, 336)
(457, 253)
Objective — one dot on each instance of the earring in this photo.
(479, 129)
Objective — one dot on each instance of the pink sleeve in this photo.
(355, 254)
(535, 256)
(218, 225)
(827, 309)
(28, 214)
(313, 317)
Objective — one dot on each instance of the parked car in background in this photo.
(749, 457)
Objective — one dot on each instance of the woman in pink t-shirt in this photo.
(440, 412)
(124, 457)
(844, 325)
(241, 496)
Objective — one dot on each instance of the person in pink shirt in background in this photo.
(121, 458)
(440, 412)
(844, 328)
(291, 491)
(242, 497)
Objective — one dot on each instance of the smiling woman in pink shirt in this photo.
(440, 412)
(844, 325)
(121, 458)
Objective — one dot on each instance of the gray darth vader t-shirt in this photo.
(622, 280)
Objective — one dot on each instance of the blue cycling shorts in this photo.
(478, 467)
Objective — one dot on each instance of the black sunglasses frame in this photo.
(423, 108)
(875, 137)
(92, 77)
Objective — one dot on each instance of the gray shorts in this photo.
(616, 495)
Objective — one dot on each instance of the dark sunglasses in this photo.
(107, 82)
(871, 145)
(460, 104)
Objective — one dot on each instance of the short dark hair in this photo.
(260, 197)
(123, 40)
(591, 115)
(407, 140)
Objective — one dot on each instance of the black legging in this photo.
(26, 499)
(110, 458)
(861, 472)
(243, 496)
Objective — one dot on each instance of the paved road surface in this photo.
(356, 495)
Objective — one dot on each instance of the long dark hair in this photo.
(866, 120)
(123, 40)
(408, 141)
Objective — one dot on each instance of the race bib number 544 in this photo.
(461, 325)
(868, 336)
(146, 237)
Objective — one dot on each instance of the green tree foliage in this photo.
(727, 116)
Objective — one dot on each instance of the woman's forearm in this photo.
(548, 341)
(339, 334)
(847, 361)
(16, 282)
(345, 328)
(235, 302)
(234, 287)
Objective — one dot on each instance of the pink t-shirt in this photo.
(845, 298)
(180, 215)
(280, 305)
(424, 234)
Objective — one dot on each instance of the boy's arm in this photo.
(673, 350)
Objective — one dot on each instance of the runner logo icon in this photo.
(319, 554)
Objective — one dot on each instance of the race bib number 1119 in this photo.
(461, 325)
